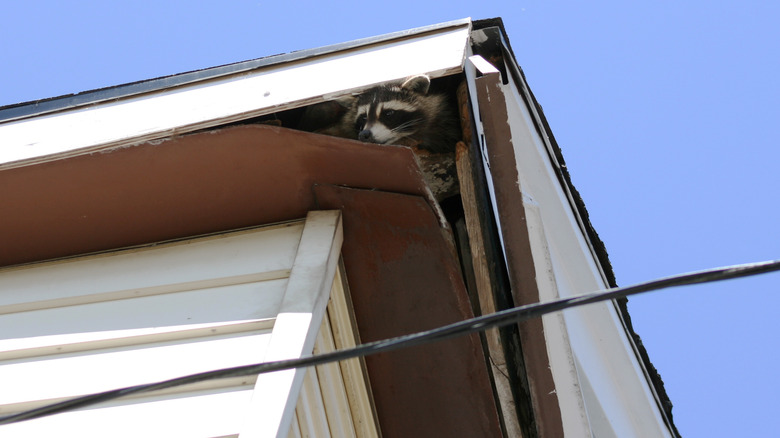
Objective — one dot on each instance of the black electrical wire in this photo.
(498, 319)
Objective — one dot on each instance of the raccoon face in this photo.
(387, 122)
(390, 113)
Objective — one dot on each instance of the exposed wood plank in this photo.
(517, 249)
(487, 303)
(491, 283)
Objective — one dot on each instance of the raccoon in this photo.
(403, 114)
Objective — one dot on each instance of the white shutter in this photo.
(85, 325)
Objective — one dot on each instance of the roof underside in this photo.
(402, 271)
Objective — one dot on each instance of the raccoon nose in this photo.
(365, 135)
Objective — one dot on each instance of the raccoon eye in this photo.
(360, 123)
(389, 113)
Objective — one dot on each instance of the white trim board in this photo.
(227, 99)
(295, 331)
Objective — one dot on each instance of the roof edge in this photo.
(34, 108)
(578, 206)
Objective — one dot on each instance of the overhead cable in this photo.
(473, 325)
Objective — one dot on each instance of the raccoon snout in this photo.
(365, 135)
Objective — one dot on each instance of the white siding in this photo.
(86, 325)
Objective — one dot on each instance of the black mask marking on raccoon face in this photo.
(387, 114)
(403, 114)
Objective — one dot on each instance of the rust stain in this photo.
(401, 270)
(403, 278)
(189, 185)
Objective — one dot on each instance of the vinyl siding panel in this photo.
(93, 324)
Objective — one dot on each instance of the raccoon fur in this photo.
(403, 114)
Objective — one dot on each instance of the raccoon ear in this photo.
(418, 84)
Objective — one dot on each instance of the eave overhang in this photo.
(402, 269)
(190, 185)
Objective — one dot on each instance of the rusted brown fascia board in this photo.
(404, 278)
(517, 247)
(195, 184)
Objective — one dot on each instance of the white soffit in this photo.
(231, 98)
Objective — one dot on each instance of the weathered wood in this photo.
(518, 252)
(487, 303)
(482, 277)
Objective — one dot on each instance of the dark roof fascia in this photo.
(556, 156)
(45, 106)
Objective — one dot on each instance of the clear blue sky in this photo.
(667, 114)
